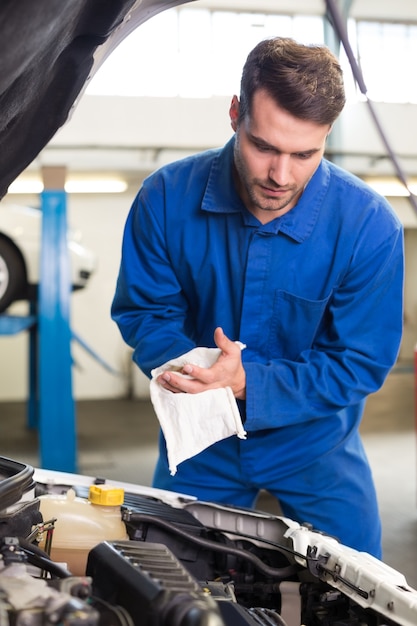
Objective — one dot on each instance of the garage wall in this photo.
(176, 125)
(101, 220)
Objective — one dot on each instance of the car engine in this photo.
(177, 561)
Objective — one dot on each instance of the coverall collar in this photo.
(221, 197)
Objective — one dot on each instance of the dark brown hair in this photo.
(306, 81)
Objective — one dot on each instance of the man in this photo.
(266, 242)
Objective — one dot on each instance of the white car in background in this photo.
(20, 250)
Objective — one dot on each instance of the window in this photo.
(198, 53)
(385, 52)
(193, 53)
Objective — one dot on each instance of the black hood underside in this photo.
(47, 50)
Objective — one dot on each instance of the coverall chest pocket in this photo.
(294, 324)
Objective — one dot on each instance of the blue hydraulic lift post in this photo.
(57, 421)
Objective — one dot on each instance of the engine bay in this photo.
(160, 558)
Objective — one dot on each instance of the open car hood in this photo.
(48, 51)
(158, 557)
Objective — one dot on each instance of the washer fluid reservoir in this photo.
(81, 524)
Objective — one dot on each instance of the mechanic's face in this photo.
(275, 156)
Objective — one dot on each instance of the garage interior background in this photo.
(126, 137)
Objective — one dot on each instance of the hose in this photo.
(19, 480)
(278, 573)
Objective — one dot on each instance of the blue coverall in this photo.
(316, 295)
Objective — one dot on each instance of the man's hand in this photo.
(227, 371)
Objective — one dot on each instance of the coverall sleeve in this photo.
(355, 346)
(149, 306)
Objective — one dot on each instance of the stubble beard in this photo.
(254, 195)
(265, 204)
(251, 189)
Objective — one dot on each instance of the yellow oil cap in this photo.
(106, 495)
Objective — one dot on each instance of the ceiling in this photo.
(49, 49)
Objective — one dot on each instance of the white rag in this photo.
(193, 422)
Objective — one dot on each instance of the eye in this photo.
(303, 156)
(263, 148)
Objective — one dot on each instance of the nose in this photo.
(279, 169)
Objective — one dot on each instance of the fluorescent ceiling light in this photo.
(27, 185)
(98, 185)
(392, 187)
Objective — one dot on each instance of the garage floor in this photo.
(117, 439)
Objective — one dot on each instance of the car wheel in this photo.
(12, 274)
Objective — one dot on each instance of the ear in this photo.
(234, 112)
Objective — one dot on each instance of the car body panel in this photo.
(23, 225)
